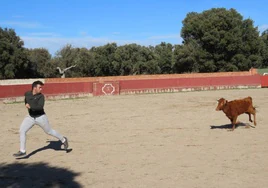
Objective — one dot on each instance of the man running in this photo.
(34, 102)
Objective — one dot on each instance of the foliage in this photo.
(13, 59)
(214, 40)
(219, 40)
(40, 63)
(264, 38)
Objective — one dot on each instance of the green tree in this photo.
(122, 63)
(219, 40)
(85, 64)
(164, 56)
(104, 56)
(264, 38)
(66, 57)
(133, 59)
(82, 59)
(13, 58)
(40, 63)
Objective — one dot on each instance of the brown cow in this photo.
(234, 108)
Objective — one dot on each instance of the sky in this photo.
(52, 24)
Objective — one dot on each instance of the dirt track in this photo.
(156, 140)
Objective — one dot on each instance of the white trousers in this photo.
(29, 122)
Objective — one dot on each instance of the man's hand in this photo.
(27, 106)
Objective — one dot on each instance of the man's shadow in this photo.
(230, 126)
(55, 145)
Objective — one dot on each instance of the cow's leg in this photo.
(254, 117)
(249, 116)
(234, 122)
(253, 112)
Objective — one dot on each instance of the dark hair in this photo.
(37, 83)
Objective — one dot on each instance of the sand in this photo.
(151, 140)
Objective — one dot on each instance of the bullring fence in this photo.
(13, 90)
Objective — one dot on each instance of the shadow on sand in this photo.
(230, 126)
(36, 175)
(55, 145)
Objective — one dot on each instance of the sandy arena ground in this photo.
(155, 140)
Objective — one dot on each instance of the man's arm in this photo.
(25, 101)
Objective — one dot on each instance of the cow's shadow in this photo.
(55, 145)
(230, 126)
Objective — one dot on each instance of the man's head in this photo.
(37, 87)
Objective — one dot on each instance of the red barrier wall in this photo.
(66, 88)
(135, 84)
(264, 81)
(7, 91)
(179, 83)
(50, 89)
(152, 77)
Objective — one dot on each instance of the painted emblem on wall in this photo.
(108, 89)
